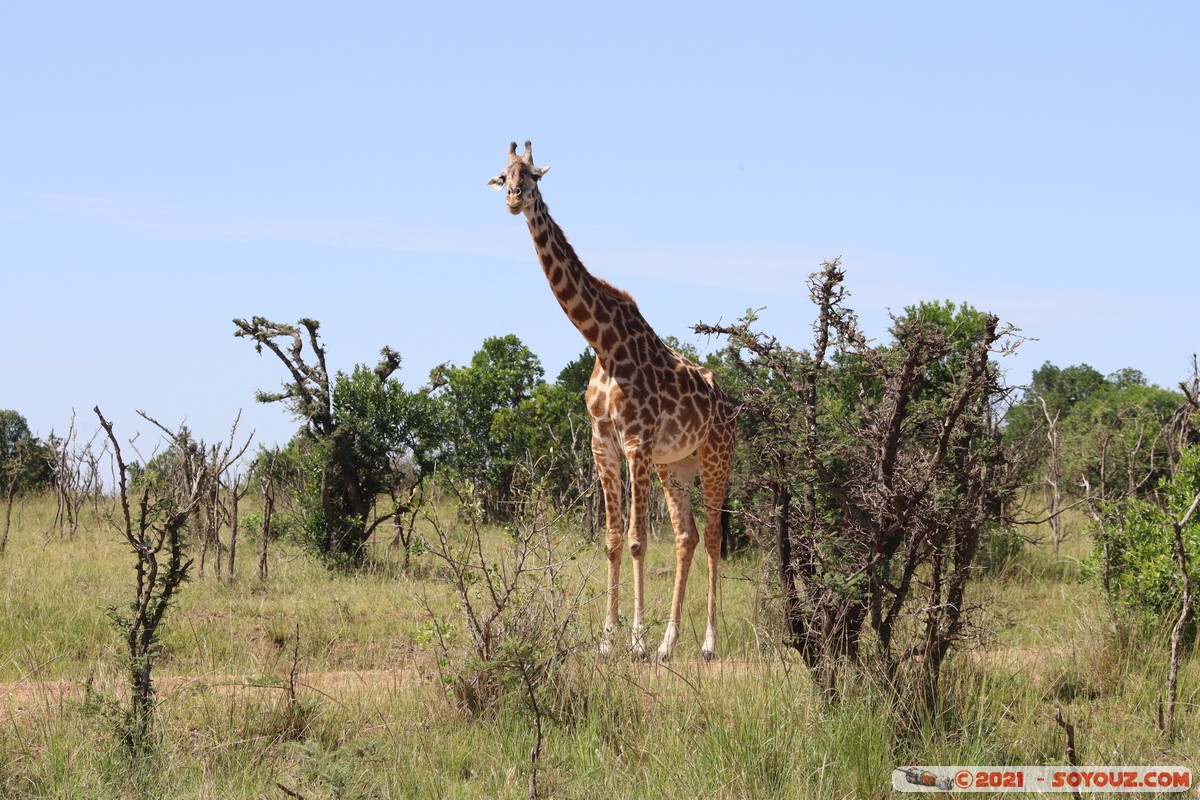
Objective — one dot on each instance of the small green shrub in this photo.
(282, 526)
(1135, 560)
(999, 549)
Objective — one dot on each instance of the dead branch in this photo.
(1185, 610)
(1072, 757)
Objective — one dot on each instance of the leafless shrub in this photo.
(75, 470)
(153, 522)
(520, 607)
(219, 505)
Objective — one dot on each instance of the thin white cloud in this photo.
(875, 280)
(330, 231)
(775, 270)
(756, 268)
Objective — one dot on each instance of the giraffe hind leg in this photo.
(715, 465)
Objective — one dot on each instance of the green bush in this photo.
(1135, 557)
(282, 526)
(1000, 547)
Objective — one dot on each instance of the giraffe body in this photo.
(649, 405)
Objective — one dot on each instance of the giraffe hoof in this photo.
(708, 655)
(663, 656)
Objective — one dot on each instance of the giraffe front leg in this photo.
(608, 465)
(639, 490)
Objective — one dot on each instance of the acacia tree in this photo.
(237, 487)
(279, 477)
(356, 429)
(882, 468)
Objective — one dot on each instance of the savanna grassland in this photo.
(321, 684)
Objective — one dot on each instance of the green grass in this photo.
(747, 726)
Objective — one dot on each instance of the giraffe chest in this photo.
(661, 412)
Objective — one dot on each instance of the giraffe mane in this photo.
(615, 292)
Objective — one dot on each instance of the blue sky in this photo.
(165, 168)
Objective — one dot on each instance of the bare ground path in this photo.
(32, 696)
(29, 697)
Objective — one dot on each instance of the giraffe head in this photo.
(519, 179)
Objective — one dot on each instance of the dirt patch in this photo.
(30, 697)
(33, 697)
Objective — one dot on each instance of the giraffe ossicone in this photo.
(649, 405)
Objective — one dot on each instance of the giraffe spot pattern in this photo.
(567, 293)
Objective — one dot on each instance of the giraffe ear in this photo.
(497, 183)
(538, 172)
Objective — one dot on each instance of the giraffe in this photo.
(648, 404)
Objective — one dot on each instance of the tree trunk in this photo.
(233, 528)
(216, 525)
(792, 618)
(1184, 613)
(203, 551)
(1053, 477)
(268, 508)
(8, 506)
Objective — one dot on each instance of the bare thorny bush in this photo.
(878, 470)
(220, 509)
(521, 603)
(153, 519)
(219, 505)
(75, 473)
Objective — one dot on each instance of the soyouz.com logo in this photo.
(1041, 779)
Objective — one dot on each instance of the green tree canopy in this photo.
(575, 375)
(502, 375)
(23, 458)
(1114, 440)
(13, 430)
(1109, 428)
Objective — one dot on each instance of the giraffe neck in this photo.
(599, 311)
